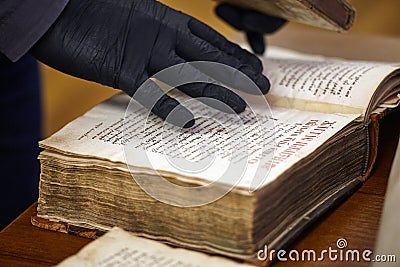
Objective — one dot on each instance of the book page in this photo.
(316, 83)
(209, 151)
(118, 248)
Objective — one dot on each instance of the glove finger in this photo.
(191, 81)
(227, 100)
(256, 41)
(192, 48)
(230, 14)
(258, 22)
(206, 33)
(152, 97)
(162, 61)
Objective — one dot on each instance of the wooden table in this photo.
(356, 220)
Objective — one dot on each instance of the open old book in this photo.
(322, 146)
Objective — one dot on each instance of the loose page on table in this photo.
(255, 148)
(118, 248)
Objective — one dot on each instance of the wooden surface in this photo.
(356, 220)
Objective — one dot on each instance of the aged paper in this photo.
(317, 83)
(118, 248)
(259, 149)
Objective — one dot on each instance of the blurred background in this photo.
(65, 97)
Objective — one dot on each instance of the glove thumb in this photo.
(256, 41)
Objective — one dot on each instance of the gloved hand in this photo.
(254, 23)
(121, 43)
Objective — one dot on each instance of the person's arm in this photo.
(122, 43)
(23, 23)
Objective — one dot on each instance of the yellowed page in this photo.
(287, 136)
(316, 83)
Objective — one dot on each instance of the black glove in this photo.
(254, 23)
(121, 43)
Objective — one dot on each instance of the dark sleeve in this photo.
(23, 22)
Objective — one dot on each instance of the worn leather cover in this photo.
(373, 138)
(65, 228)
(373, 132)
(337, 15)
